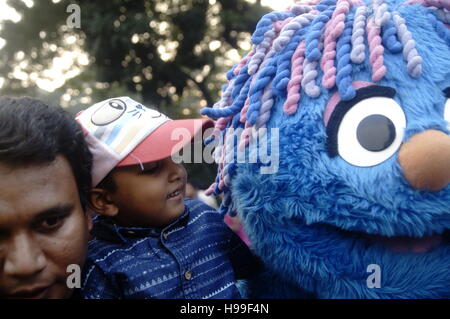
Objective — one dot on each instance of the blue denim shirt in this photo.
(197, 256)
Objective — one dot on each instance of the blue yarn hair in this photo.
(313, 52)
(318, 221)
(344, 68)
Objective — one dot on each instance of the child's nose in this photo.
(177, 171)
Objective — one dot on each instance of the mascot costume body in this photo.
(332, 140)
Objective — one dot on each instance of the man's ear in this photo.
(101, 202)
(89, 217)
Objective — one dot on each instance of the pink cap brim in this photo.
(162, 143)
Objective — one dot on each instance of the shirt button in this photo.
(188, 275)
(165, 235)
(130, 232)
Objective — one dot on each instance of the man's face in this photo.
(152, 197)
(43, 229)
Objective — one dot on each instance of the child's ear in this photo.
(101, 202)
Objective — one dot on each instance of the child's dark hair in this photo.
(108, 183)
(32, 132)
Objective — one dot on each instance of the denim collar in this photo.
(105, 228)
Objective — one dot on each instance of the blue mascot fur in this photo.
(333, 147)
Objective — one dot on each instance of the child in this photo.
(148, 241)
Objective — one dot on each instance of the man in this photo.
(45, 174)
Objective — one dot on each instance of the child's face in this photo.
(152, 197)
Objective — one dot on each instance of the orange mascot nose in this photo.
(425, 160)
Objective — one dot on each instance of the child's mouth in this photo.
(175, 195)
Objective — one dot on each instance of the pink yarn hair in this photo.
(220, 125)
(221, 164)
(294, 85)
(243, 61)
(244, 110)
(246, 134)
(280, 24)
(334, 29)
(245, 137)
(376, 50)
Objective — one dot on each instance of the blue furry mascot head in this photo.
(332, 139)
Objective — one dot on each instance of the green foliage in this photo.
(164, 53)
(156, 49)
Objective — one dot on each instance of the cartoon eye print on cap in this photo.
(109, 112)
(447, 107)
(368, 129)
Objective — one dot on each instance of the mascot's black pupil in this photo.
(376, 133)
(116, 105)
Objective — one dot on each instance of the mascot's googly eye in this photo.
(447, 112)
(371, 131)
(447, 108)
(109, 112)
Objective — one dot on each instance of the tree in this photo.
(171, 54)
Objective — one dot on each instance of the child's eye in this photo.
(151, 169)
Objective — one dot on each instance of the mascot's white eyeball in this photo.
(371, 131)
(447, 107)
(109, 112)
(447, 112)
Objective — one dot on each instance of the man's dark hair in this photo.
(32, 132)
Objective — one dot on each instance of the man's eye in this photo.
(51, 223)
(3, 233)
